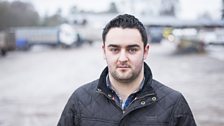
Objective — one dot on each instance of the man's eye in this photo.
(132, 50)
(114, 50)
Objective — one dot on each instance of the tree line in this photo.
(18, 13)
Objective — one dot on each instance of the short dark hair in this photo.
(126, 21)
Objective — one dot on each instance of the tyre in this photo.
(3, 52)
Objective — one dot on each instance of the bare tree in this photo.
(169, 7)
(54, 20)
(222, 9)
(113, 8)
(17, 13)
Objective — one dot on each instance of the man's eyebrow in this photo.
(113, 45)
(134, 45)
(129, 46)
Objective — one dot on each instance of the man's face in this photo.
(124, 52)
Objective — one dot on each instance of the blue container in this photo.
(21, 43)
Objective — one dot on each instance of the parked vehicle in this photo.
(189, 45)
(63, 35)
(89, 32)
(7, 42)
(212, 37)
(186, 40)
(155, 34)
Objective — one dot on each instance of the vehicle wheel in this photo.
(3, 52)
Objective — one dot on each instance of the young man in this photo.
(125, 94)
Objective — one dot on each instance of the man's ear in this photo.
(103, 49)
(146, 51)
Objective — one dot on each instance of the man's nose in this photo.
(123, 56)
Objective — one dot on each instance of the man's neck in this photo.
(126, 89)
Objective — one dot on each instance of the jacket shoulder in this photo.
(164, 91)
(85, 92)
(166, 96)
(173, 101)
(86, 89)
(77, 101)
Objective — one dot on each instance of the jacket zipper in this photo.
(100, 92)
(137, 98)
(123, 111)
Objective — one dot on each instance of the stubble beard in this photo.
(125, 78)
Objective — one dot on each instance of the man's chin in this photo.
(124, 77)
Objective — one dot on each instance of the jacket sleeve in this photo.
(68, 116)
(182, 113)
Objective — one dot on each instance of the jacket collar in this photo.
(147, 89)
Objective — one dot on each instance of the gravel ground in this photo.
(36, 84)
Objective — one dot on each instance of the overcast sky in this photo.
(189, 9)
(192, 8)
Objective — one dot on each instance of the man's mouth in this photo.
(123, 66)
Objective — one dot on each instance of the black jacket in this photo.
(155, 105)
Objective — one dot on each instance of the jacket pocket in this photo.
(86, 121)
(147, 124)
(147, 121)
